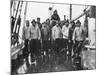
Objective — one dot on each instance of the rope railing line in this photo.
(81, 15)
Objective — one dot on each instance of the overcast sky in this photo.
(35, 10)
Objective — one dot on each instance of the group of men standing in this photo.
(45, 36)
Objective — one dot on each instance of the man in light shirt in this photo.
(65, 31)
(50, 34)
(35, 36)
(57, 36)
(25, 37)
(78, 37)
(45, 31)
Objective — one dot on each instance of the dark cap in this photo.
(72, 22)
(55, 10)
(38, 18)
(78, 21)
(67, 21)
(33, 21)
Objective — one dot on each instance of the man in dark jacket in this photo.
(71, 30)
(55, 16)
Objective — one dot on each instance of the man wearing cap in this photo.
(57, 36)
(45, 31)
(25, 37)
(78, 37)
(35, 36)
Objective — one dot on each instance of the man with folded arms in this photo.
(35, 36)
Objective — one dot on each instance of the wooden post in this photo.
(70, 12)
(25, 13)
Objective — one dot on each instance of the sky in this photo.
(41, 10)
(35, 10)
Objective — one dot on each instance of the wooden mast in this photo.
(25, 13)
(70, 12)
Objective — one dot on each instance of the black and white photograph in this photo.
(52, 37)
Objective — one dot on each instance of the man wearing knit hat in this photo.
(78, 37)
(35, 36)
